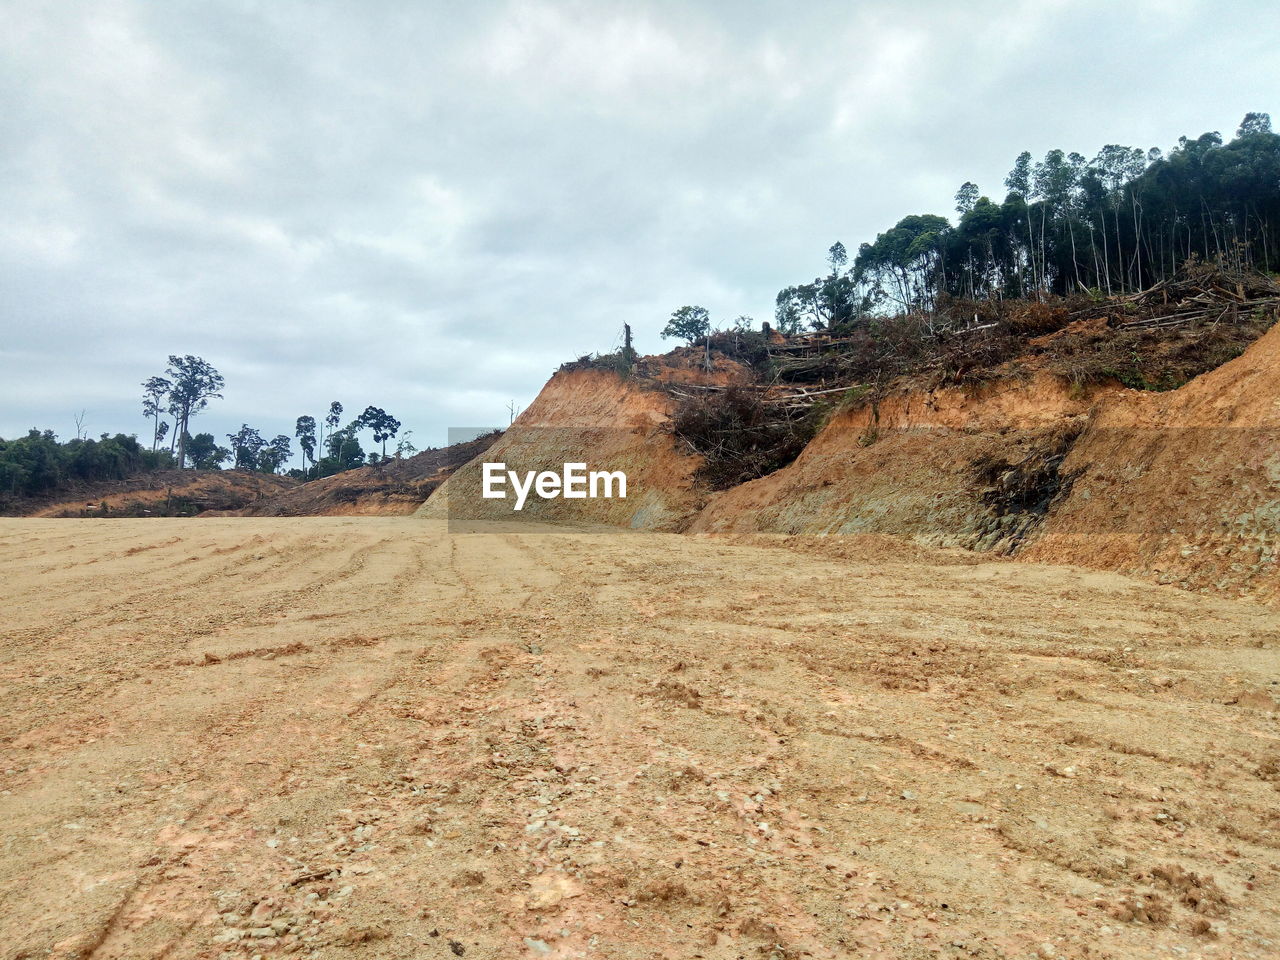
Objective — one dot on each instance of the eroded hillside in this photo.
(1036, 445)
(615, 422)
(392, 488)
(164, 493)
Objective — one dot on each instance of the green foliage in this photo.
(246, 446)
(274, 454)
(1118, 222)
(205, 453)
(617, 362)
(344, 450)
(383, 425)
(305, 431)
(154, 391)
(689, 324)
(38, 464)
(192, 383)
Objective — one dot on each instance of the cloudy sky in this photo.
(427, 206)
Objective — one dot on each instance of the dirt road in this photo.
(366, 738)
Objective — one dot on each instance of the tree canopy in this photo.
(1115, 223)
(689, 324)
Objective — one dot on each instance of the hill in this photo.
(1131, 433)
(160, 493)
(392, 488)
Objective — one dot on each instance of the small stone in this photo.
(908, 795)
(537, 946)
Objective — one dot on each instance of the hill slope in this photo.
(392, 488)
(1182, 486)
(610, 422)
(164, 493)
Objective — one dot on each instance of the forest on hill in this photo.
(1121, 222)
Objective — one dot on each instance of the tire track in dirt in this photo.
(621, 746)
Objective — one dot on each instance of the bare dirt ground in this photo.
(364, 737)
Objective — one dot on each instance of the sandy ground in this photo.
(342, 737)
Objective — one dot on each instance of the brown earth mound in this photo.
(593, 416)
(1051, 455)
(905, 466)
(1182, 486)
(165, 493)
(393, 488)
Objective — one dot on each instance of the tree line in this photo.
(1117, 223)
(186, 388)
(39, 463)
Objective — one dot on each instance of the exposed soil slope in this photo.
(393, 488)
(1184, 486)
(907, 465)
(592, 416)
(361, 737)
(165, 493)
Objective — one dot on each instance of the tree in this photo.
(305, 431)
(333, 419)
(788, 311)
(246, 445)
(1019, 179)
(1115, 223)
(194, 383)
(383, 425)
(689, 324)
(405, 447)
(906, 263)
(205, 454)
(345, 452)
(274, 454)
(837, 258)
(1254, 123)
(154, 390)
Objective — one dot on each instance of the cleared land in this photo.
(349, 737)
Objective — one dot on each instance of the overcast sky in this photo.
(429, 206)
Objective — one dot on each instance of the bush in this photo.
(38, 464)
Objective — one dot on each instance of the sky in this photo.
(429, 206)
